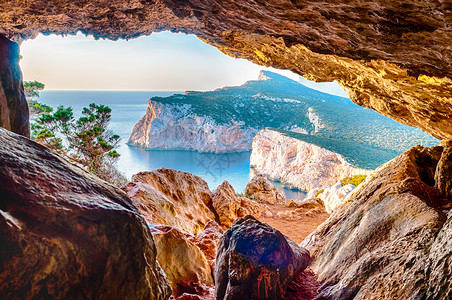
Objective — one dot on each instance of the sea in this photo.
(128, 107)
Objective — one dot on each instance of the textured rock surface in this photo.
(262, 188)
(207, 241)
(391, 56)
(65, 234)
(393, 226)
(333, 196)
(297, 163)
(184, 263)
(229, 206)
(13, 107)
(171, 126)
(171, 197)
(255, 261)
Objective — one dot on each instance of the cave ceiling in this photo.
(392, 56)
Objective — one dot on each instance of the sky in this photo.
(161, 62)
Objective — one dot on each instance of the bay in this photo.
(128, 107)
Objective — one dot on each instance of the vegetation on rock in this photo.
(32, 88)
(355, 180)
(86, 142)
(364, 137)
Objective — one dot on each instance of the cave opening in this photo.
(78, 237)
(176, 71)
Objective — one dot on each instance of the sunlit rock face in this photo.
(184, 263)
(298, 164)
(230, 206)
(392, 237)
(172, 197)
(259, 186)
(65, 234)
(391, 56)
(175, 127)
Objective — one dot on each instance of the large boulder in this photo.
(391, 239)
(263, 189)
(229, 206)
(171, 197)
(256, 261)
(184, 263)
(65, 234)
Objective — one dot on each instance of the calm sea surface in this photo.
(127, 109)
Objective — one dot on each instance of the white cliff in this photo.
(297, 163)
(174, 126)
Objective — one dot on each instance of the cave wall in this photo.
(13, 107)
(394, 57)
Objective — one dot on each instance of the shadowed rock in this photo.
(65, 234)
(391, 239)
(184, 263)
(256, 261)
(13, 107)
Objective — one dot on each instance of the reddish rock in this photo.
(392, 238)
(229, 206)
(262, 188)
(207, 241)
(184, 263)
(256, 261)
(304, 286)
(171, 197)
(66, 234)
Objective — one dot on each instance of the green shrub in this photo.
(318, 193)
(39, 107)
(355, 180)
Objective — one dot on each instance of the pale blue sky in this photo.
(160, 62)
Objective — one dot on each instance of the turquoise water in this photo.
(127, 109)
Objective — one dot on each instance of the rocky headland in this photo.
(297, 163)
(176, 127)
(227, 119)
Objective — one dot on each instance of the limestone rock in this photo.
(333, 196)
(65, 234)
(392, 227)
(297, 163)
(255, 261)
(262, 188)
(171, 197)
(443, 173)
(13, 107)
(229, 206)
(184, 263)
(176, 127)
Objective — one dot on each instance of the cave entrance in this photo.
(213, 125)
